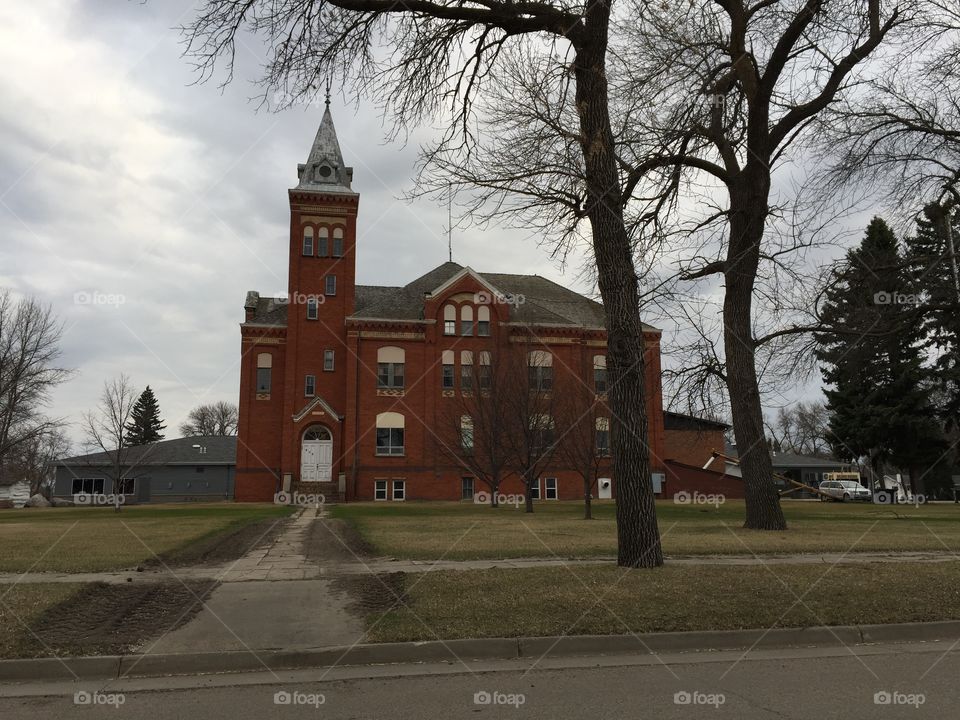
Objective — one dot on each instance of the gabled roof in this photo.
(180, 451)
(538, 301)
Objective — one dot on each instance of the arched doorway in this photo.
(316, 455)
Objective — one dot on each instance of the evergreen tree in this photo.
(871, 358)
(145, 425)
(934, 270)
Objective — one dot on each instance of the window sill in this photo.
(389, 455)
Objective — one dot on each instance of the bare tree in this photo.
(730, 90)
(801, 428)
(29, 351)
(105, 430)
(476, 421)
(584, 431)
(420, 55)
(35, 459)
(217, 419)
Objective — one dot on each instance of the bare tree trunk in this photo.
(587, 500)
(528, 496)
(748, 210)
(638, 537)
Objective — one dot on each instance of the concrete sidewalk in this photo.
(285, 561)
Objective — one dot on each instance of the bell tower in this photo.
(322, 278)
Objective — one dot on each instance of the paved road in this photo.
(922, 681)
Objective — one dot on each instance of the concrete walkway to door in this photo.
(271, 599)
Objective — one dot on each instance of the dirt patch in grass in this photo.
(220, 547)
(605, 600)
(103, 619)
(336, 541)
(373, 595)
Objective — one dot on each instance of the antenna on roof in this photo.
(449, 228)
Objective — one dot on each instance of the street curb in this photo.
(160, 665)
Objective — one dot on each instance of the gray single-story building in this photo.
(180, 470)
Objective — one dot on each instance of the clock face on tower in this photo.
(324, 171)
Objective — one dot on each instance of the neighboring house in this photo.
(803, 468)
(180, 470)
(14, 493)
(342, 386)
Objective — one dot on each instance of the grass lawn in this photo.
(589, 600)
(21, 605)
(95, 539)
(458, 531)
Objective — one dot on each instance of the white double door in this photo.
(316, 460)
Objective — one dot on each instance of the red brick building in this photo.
(342, 385)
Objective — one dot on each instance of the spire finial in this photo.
(328, 93)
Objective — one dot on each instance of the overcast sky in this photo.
(143, 206)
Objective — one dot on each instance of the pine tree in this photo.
(145, 425)
(933, 269)
(873, 362)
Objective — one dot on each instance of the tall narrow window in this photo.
(399, 490)
(312, 309)
(338, 242)
(322, 235)
(331, 285)
(390, 366)
(484, 371)
(466, 433)
(380, 490)
(328, 360)
(390, 433)
(466, 320)
(540, 366)
(483, 321)
(449, 320)
(310, 385)
(264, 369)
(308, 241)
(600, 373)
(466, 371)
(603, 437)
(446, 375)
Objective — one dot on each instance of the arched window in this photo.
(390, 433)
(264, 371)
(449, 320)
(466, 320)
(466, 371)
(447, 370)
(466, 433)
(317, 432)
(542, 432)
(600, 373)
(338, 242)
(308, 241)
(540, 367)
(483, 321)
(390, 362)
(322, 235)
(603, 437)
